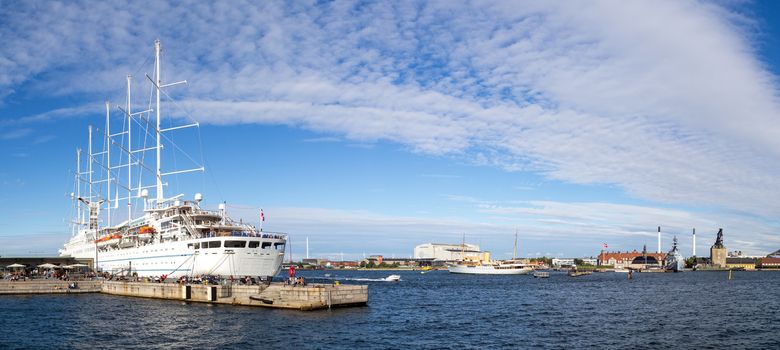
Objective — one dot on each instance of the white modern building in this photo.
(446, 252)
(562, 262)
(566, 262)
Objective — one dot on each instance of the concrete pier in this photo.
(275, 295)
(49, 287)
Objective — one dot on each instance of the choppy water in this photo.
(433, 310)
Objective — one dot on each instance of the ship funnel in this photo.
(222, 211)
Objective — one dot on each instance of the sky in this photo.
(372, 127)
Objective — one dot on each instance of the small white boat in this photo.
(393, 278)
(541, 274)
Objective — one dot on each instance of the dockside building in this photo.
(445, 252)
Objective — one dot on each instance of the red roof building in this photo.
(622, 260)
(768, 263)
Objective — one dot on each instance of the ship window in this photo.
(254, 244)
(197, 245)
(266, 245)
(279, 246)
(189, 245)
(214, 244)
(235, 244)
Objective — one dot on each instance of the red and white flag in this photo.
(605, 245)
(262, 216)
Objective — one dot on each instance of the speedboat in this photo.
(393, 278)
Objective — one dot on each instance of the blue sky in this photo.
(373, 127)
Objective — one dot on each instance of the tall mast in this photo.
(108, 163)
(78, 189)
(514, 252)
(157, 110)
(463, 247)
(129, 155)
(89, 164)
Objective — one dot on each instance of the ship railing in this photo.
(204, 211)
(272, 235)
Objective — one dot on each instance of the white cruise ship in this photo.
(483, 265)
(168, 236)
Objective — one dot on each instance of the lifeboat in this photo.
(145, 232)
(109, 239)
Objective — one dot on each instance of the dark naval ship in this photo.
(674, 261)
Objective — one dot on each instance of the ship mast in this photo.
(129, 155)
(78, 189)
(157, 81)
(463, 247)
(89, 164)
(108, 164)
(158, 84)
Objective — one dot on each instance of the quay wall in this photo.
(275, 295)
(49, 287)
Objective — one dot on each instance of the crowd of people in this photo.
(70, 275)
(200, 279)
(58, 274)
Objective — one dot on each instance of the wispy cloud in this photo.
(66, 112)
(578, 227)
(665, 100)
(43, 139)
(15, 134)
(322, 140)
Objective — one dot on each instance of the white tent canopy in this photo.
(74, 266)
(15, 266)
(47, 266)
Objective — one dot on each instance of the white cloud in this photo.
(577, 228)
(666, 100)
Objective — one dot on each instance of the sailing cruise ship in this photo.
(170, 236)
(483, 265)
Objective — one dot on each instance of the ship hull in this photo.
(181, 258)
(489, 270)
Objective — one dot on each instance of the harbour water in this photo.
(432, 310)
